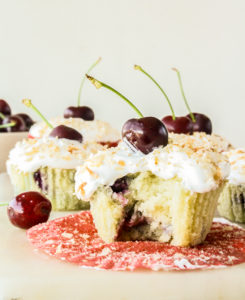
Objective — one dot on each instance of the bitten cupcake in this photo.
(232, 199)
(48, 165)
(168, 195)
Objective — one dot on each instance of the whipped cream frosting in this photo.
(199, 169)
(237, 166)
(31, 154)
(201, 139)
(98, 131)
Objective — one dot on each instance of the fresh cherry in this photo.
(142, 134)
(18, 125)
(83, 112)
(27, 119)
(145, 134)
(65, 132)
(2, 129)
(29, 209)
(202, 123)
(5, 108)
(178, 125)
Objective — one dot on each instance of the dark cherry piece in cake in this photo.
(29, 209)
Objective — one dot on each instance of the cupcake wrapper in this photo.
(58, 185)
(232, 203)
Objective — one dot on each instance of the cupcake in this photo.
(47, 165)
(232, 199)
(169, 194)
(92, 131)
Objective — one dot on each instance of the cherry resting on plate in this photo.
(200, 122)
(61, 131)
(29, 209)
(142, 134)
(5, 108)
(18, 125)
(83, 112)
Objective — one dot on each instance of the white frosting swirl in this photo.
(31, 154)
(92, 131)
(237, 166)
(200, 170)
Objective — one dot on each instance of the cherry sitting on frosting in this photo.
(202, 123)
(172, 123)
(178, 125)
(65, 132)
(29, 209)
(18, 125)
(142, 134)
(5, 108)
(83, 112)
(145, 134)
(27, 119)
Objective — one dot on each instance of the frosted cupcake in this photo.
(168, 195)
(48, 165)
(232, 199)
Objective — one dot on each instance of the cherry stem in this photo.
(3, 204)
(28, 103)
(84, 78)
(183, 94)
(98, 84)
(12, 124)
(157, 84)
(2, 116)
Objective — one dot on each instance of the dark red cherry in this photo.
(202, 124)
(19, 124)
(29, 209)
(5, 108)
(145, 134)
(82, 112)
(2, 129)
(179, 125)
(65, 132)
(28, 120)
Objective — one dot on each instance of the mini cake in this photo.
(168, 195)
(92, 131)
(48, 165)
(232, 199)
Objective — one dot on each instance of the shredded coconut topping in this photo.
(200, 169)
(237, 166)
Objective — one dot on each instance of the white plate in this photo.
(26, 274)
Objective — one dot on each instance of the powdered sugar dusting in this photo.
(74, 239)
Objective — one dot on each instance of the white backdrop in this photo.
(46, 46)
